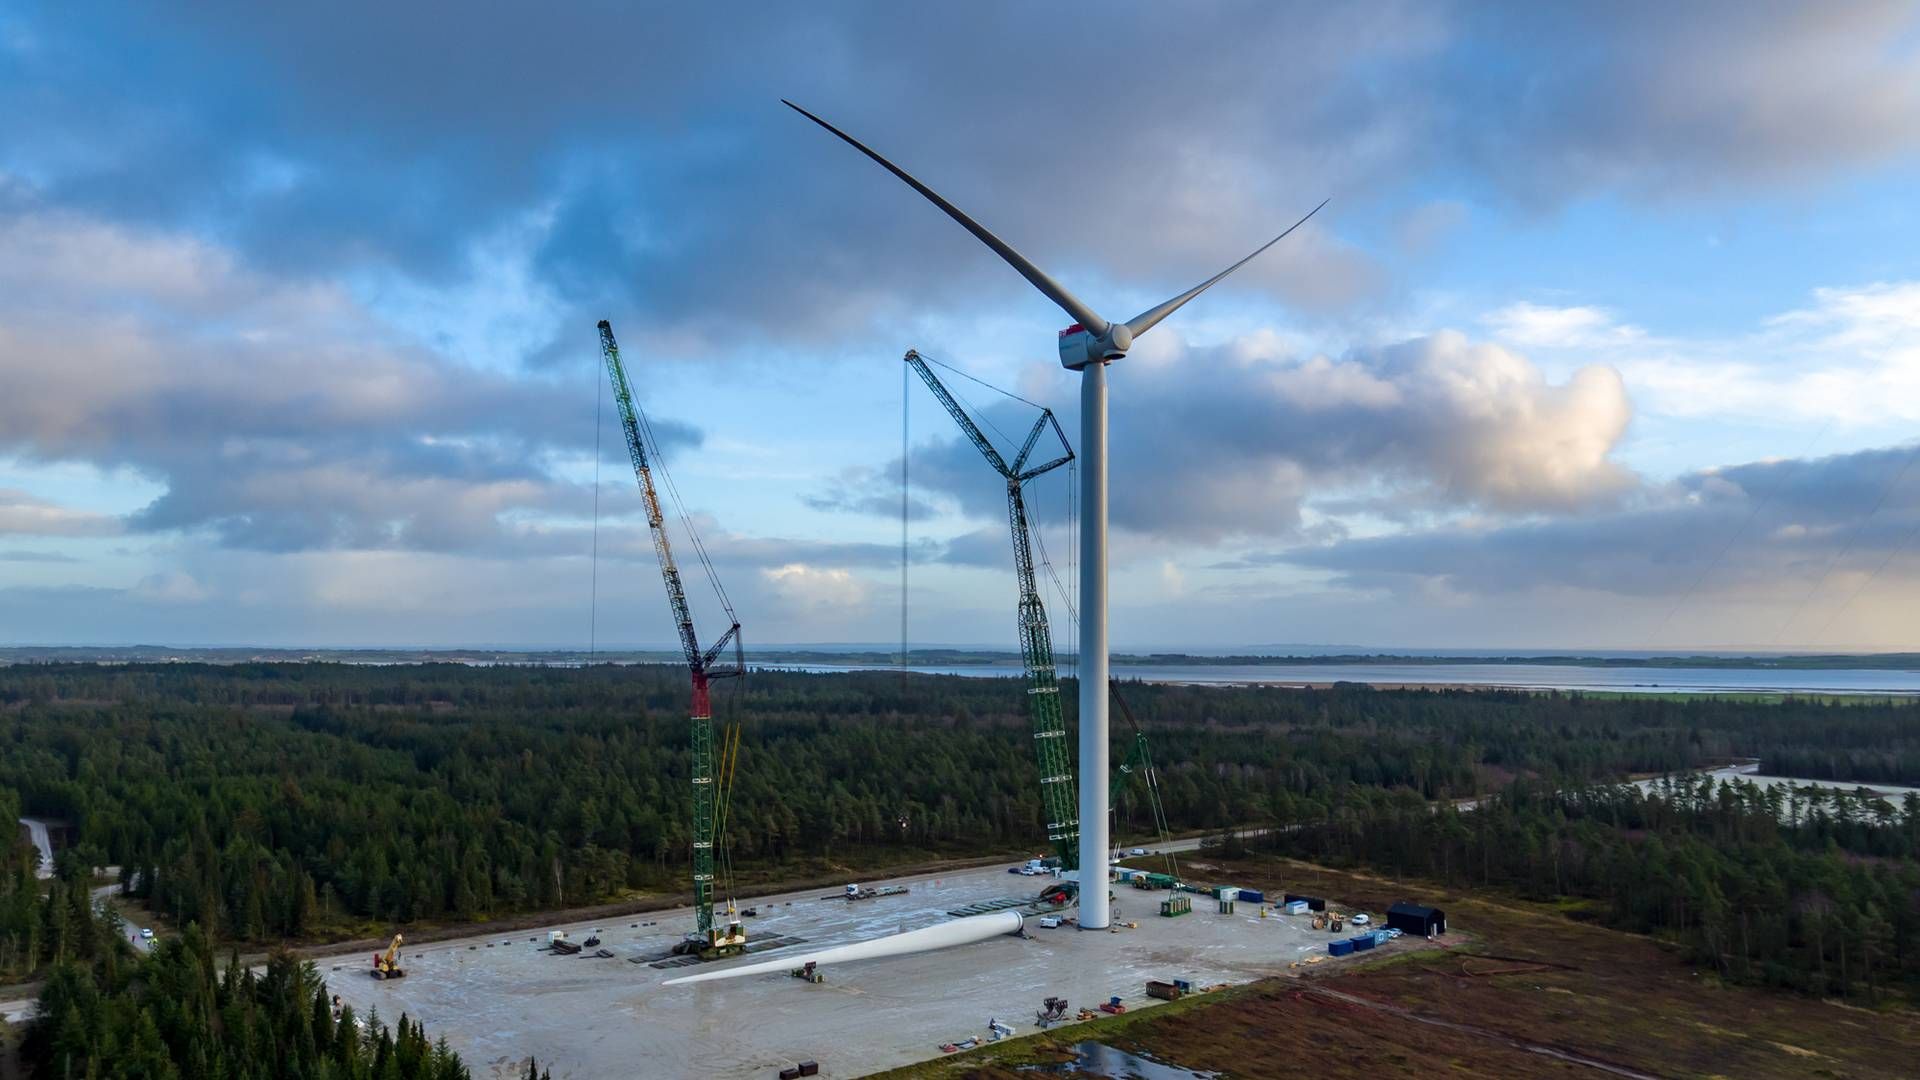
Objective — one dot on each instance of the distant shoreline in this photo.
(1905, 661)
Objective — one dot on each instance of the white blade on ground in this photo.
(1054, 291)
(966, 931)
(1145, 321)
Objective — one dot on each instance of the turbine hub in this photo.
(1119, 340)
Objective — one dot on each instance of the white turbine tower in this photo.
(1087, 346)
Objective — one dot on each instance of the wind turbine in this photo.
(1087, 346)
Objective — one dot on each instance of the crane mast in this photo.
(1057, 796)
(709, 940)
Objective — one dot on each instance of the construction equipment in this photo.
(855, 892)
(1036, 639)
(710, 785)
(1140, 760)
(387, 965)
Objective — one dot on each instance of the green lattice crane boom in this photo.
(1058, 798)
(1140, 760)
(709, 939)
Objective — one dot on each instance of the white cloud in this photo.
(1544, 327)
(274, 412)
(1436, 423)
(813, 588)
(25, 514)
(1851, 357)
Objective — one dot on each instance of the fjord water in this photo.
(1664, 680)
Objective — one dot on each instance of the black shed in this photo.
(1417, 920)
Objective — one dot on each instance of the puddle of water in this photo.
(1099, 1059)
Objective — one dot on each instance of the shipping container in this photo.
(1339, 948)
(1362, 944)
(1296, 907)
(1417, 919)
(1226, 892)
(1253, 896)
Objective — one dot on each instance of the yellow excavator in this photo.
(387, 965)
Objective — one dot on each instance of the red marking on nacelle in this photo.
(1076, 328)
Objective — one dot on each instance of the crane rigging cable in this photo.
(593, 579)
(680, 510)
(1061, 589)
(905, 450)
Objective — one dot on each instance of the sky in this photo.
(1609, 337)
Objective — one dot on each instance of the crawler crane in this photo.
(1036, 640)
(710, 785)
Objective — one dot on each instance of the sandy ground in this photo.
(501, 998)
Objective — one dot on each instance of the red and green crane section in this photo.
(710, 785)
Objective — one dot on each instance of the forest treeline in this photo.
(45, 922)
(178, 1014)
(171, 1015)
(105, 1010)
(264, 801)
(1814, 890)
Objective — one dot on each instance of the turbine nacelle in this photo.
(1080, 347)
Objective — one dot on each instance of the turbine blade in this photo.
(1054, 291)
(1147, 319)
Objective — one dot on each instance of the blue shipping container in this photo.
(1361, 944)
(1253, 896)
(1381, 937)
(1339, 948)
